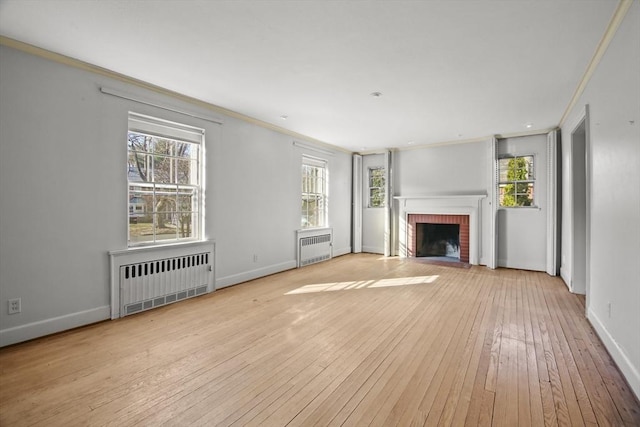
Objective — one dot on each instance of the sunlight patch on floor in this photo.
(363, 284)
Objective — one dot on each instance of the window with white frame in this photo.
(517, 181)
(314, 192)
(164, 174)
(377, 193)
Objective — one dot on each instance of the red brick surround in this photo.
(462, 220)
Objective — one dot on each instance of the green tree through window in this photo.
(377, 196)
(516, 187)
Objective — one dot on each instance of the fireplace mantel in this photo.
(442, 204)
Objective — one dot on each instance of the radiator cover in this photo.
(145, 278)
(314, 246)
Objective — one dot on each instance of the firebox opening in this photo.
(438, 240)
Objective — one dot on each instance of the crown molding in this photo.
(76, 63)
(610, 32)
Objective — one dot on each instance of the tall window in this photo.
(377, 194)
(517, 181)
(314, 192)
(164, 172)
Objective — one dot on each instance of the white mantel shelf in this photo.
(442, 196)
(448, 204)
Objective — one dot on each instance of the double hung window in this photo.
(517, 181)
(314, 192)
(164, 174)
(377, 197)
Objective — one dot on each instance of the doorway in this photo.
(579, 203)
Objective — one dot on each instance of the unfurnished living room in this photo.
(295, 213)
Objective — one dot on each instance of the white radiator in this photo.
(314, 246)
(148, 278)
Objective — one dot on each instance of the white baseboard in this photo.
(630, 372)
(342, 251)
(523, 266)
(373, 250)
(51, 326)
(234, 279)
(564, 274)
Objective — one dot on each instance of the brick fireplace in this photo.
(414, 219)
(460, 209)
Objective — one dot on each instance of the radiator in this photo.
(314, 246)
(146, 280)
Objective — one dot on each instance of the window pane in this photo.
(186, 221)
(516, 186)
(184, 150)
(139, 167)
(313, 185)
(163, 169)
(185, 171)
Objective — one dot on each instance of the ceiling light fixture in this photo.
(528, 125)
(411, 142)
(283, 117)
(376, 94)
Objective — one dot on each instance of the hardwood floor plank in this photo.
(522, 365)
(532, 343)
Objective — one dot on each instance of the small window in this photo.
(517, 181)
(377, 193)
(314, 192)
(164, 180)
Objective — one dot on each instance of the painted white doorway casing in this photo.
(579, 205)
(356, 205)
(373, 219)
(522, 232)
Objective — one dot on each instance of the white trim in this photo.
(372, 250)
(235, 279)
(61, 59)
(629, 371)
(616, 19)
(342, 251)
(552, 205)
(388, 207)
(582, 116)
(51, 326)
(357, 204)
(492, 261)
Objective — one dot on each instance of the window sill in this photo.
(159, 247)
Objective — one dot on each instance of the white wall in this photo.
(63, 192)
(613, 96)
(449, 169)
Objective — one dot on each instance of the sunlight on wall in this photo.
(363, 284)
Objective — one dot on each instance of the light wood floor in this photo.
(359, 340)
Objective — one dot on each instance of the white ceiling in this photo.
(447, 70)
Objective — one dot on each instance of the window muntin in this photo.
(377, 192)
(517, 181)
(314, 192)
(164, 183)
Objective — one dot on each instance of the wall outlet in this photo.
(255, 258)
(15, 306)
